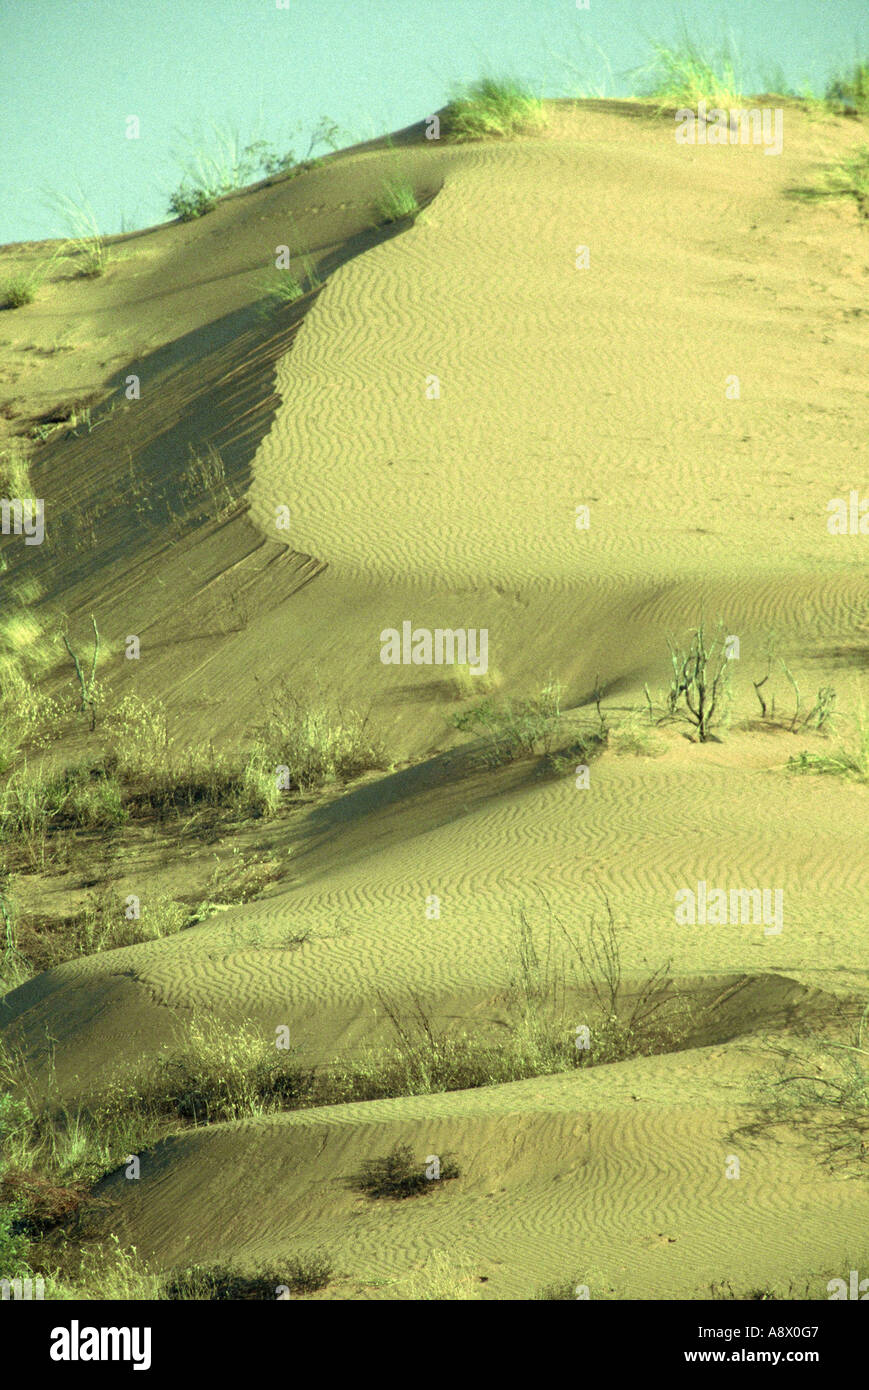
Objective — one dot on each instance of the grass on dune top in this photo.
(494, 109)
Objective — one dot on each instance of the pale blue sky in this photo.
(71, 71)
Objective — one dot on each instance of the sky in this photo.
(73, 71)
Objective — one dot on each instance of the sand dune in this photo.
(558, 387)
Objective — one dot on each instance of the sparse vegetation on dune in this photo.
(821, 1083)
(516, 728)
(222, 1074)
(141, 773)
(494, 108)
(87, 778)
(220, 161)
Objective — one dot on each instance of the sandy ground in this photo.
(559, 387)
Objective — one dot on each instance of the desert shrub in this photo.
(700, 686)
(397, 201)
(847, 177)
(398, 1175)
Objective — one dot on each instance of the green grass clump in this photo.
(84, 796)
(399, 1175)
(283, 287)
(17, 290)
(85, 245)
(682, 76)
(494, 108)
(27, 714)
(397, 201)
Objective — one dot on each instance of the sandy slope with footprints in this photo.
(558, 387)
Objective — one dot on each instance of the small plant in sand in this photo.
(87, 685)
(848, 761)
(631, 736)
(85, 245)
(399, 1175)
(699, 690)
(22, 287)
(494, 108)
(397, 201)
(286, 286)
(14, 471)
(820, 716)
(205, 477)
(188, 203)
(282, 287)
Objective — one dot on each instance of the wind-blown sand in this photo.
(559, 387)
